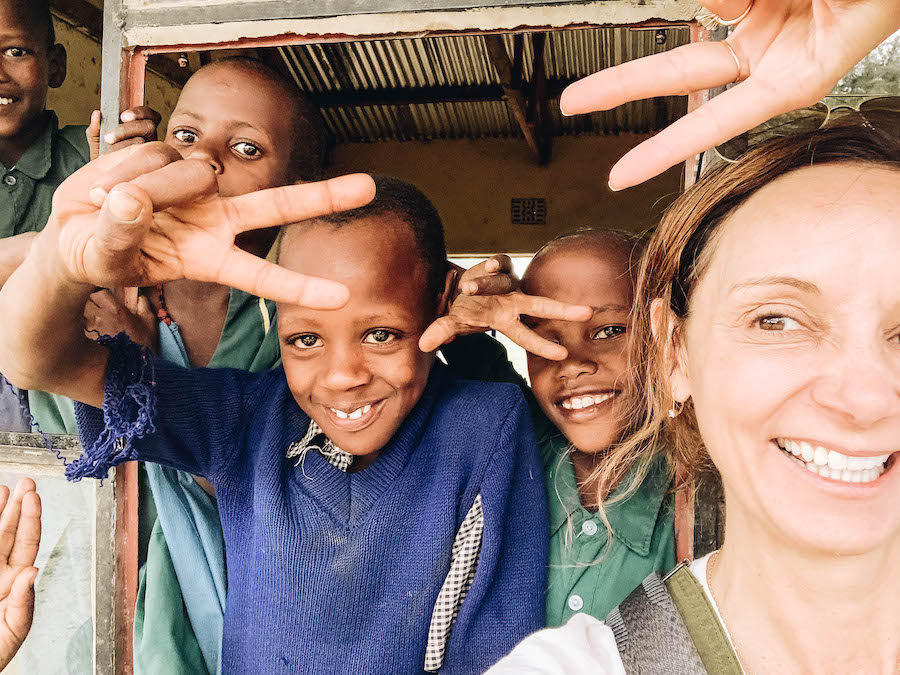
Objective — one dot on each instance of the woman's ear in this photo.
(667, 334)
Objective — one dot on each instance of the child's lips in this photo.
(354, 418)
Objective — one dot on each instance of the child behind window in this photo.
(577, 399)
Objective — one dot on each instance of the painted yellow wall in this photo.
(80, 93)
(471, 183)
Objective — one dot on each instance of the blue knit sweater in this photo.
(333, 572)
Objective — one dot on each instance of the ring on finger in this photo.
(712, 21)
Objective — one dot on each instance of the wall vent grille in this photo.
(528, 211)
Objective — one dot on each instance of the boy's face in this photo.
(27, 69)
(240, 123)
(358, 371)
(580, 395)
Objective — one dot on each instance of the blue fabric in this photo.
(333, 572)
(190, 523)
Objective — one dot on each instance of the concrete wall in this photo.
(471, 183)
(80, 93)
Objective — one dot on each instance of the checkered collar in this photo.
(316, 439)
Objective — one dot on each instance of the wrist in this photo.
(45, 257)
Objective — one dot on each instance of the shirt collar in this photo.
(316, 439)
(632, 521)
(36, 161)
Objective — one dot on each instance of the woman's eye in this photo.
(185, 136)
(380, 336)
(246, 149)
(608, 332)
(15, 52)
(307, 341)
(780, 323)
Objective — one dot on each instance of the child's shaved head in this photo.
(308, 132)
(395, 197)
(623, 247)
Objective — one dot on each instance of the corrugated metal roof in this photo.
(460, 64)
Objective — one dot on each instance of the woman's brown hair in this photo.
(675, 260)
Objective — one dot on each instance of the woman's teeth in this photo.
(834, 465)
(355, 415)
(581, 402)
(5, 101)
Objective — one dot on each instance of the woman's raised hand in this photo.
(144, 216)
(791, 53)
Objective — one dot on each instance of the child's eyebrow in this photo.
(610, 308)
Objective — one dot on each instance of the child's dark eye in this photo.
(185, 136)
(246, 149)
(307, 341)
(608, 332)
(15, 52)
(380, 336)
(777, 323)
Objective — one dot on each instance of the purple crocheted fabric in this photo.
(129, 405)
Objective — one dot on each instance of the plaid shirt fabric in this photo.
(464, 554)
(463, 563)
(315, 439)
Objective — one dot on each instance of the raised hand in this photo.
(494, 276)
(20, 537)
(144, 216)
(479, 308)
(790, 53)
(138, 125)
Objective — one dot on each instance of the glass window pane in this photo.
(61, 638)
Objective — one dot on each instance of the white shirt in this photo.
(584, 646)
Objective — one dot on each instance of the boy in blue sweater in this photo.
(379, 514)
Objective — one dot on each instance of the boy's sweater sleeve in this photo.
(507, 599)
(156, 411)
(481, 357)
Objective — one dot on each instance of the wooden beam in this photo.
(81, 14)
(421, 95)
(539, 109)
(515, 98)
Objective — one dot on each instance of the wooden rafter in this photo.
(539, 108)
(515, 97)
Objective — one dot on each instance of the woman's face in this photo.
(791, 353)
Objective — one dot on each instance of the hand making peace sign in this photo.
(790, 52)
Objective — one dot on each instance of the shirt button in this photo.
(9, 179)
(589, 527)
(575, 603)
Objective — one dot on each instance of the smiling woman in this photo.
(767, 338)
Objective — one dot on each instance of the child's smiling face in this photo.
(27, 67)
(239, 122)
(580, 394)
(358, 371)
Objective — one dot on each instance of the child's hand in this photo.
(789, 55)
(494, 276)
(20, 538)
(138, 126)
(145, 216)
(478, 313)
(111, 312)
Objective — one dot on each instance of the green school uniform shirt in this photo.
(26, 189)
(587, 573)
